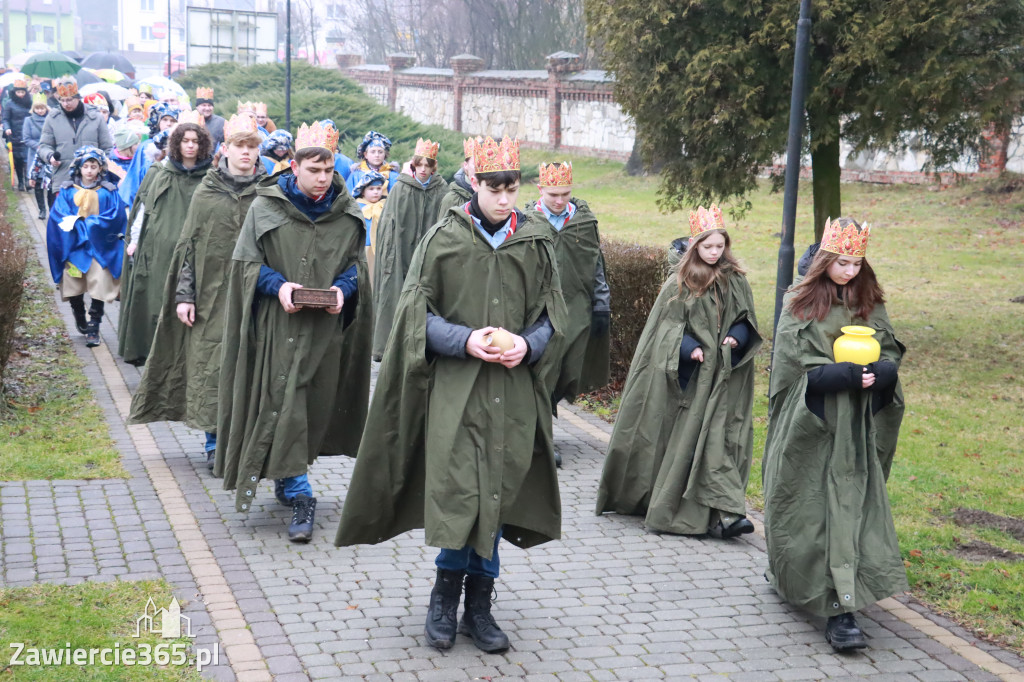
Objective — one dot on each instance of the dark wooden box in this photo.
(314, 298)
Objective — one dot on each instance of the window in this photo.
(148, 5)
(48, 35)
(181, 34)
(147, 33)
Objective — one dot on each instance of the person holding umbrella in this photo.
(68, 128)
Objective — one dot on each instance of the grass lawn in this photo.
(52, 427)
(84, 616)
(950, 261)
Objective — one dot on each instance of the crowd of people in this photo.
(260, 274)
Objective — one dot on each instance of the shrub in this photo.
(13, 259)
(635, 274)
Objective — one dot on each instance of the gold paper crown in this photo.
(426, 149)
(704, 219)
(469, 144)
(851, 240)
(555, 174)
(261, 108)
(192, 116)
(66, 86)
(131, 102)
(317, 135)
(492, 157)
(204, 93)
(19, 84)
(239, 125)
(246, 106)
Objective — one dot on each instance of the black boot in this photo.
(303, 514)
(92, 334)
(279, 493)
(78, 310)
(730, 527)
(477, 621)
(443, 609)
(843, 633)
(558, 459)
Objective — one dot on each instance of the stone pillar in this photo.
(993, 155)
(397, 62)
(462, 65)
(560, 64)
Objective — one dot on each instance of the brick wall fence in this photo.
(572, 110)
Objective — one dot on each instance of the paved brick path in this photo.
(609, 601)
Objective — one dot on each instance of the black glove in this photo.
(885, 374)
(600, 322)
(55, 156)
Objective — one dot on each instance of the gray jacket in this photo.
(59, 136)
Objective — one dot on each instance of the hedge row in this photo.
(13, 260)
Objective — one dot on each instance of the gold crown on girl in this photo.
(239, 125)
(427, 149)
(469, 144)
(66, 86)
(317, 135)
(493, 157)
(192, 116)
(204, 93)
(261, 108)
(555, 174)
(246, 106)
(704, 219)
(851, 240)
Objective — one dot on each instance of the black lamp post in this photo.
(288, 66)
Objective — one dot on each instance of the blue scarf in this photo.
(311, 208)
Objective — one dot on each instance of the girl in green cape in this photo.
(832, 431)
(681, 449)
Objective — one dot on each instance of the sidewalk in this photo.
(609, 601)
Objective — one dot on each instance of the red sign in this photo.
(159, 29)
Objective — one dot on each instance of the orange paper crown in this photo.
(246, 106)
(426, 149)
(704, 219)
(204, 93)
(192, 116)
(851, 240)
(261, 108)
(19, 84)
(317, 135)
(555, 174)
(239, 125)
(469, 144)
(66, 86)
(492, 157)
(131, 103)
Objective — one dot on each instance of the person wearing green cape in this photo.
(459, 438)
(410, 211)
(682, 445)
(156, 220)
(460, 189)
(584, 286)
(294, 381)
(181, 377)
(832, 431)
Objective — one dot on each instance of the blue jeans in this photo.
(211, 441)
(297, 485)
(466, 559)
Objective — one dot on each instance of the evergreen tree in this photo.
(712, 79)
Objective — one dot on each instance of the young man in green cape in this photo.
(181, 378)
(411, 210)
(294, 381)
(460, 190)
(584, 286)
(458, 439)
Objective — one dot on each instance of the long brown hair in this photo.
(817, 293)
(696, 277)
(178, 134)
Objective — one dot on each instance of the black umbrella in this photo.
(74, 54)
(109, 60)
(126, 83)
(84, 77)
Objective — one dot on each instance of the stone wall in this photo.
(426, 105)
(497, 115)
(597, 124)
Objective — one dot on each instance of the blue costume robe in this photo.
(141, 162)
(343, 165)
(358, 170)
(98, 236)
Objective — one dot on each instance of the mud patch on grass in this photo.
(979, 551)
(976, 517)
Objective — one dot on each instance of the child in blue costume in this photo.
(372, 155)
(369, 194)
(277, 151)
(162, 116)
(83, 240)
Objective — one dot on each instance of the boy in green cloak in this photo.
(294, 381)
(460, 190)
(458, 439)
(584, 286)
(411, 210)
(181, 377)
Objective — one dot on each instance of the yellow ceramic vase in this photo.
(857, 345)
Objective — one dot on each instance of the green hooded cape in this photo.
(409, 213)
(676, 455)
(458, 446)
(457, 196)
(585, 366)
(292, 386)
(181, 377)
(832, 546)
(166, 192)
